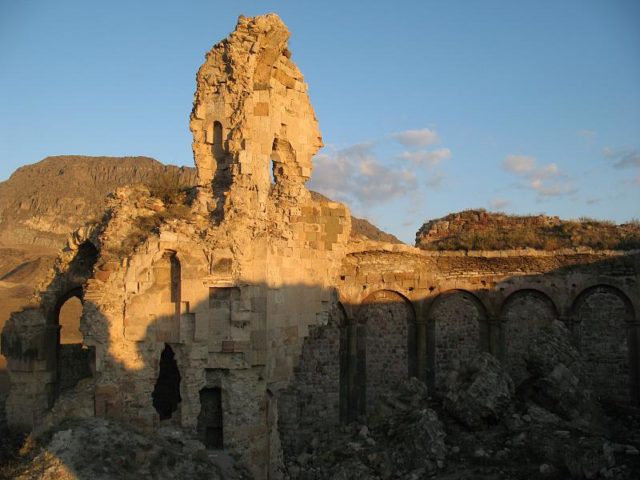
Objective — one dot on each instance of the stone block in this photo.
(261, 109)
(201, 332)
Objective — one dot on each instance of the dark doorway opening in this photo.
(166, 394)
(210, 418)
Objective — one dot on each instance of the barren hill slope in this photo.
(41, 203)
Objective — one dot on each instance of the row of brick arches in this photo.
(386, 342)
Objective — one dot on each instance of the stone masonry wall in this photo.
(603, 323)
(459, 330)
(522, 315)
(387, 319)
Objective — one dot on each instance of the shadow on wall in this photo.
(373, 344)
(226, 387)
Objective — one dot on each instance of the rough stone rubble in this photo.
(244, 316)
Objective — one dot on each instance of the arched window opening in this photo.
(166, 393)
(167, 274)
(210, 420)
(218, 147)
(175, 275)
(69, 321)
(75, 360)
(272, 173)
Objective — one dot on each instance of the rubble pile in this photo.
(102, 449)
(552, 426)
(402, 436)
(558, 380)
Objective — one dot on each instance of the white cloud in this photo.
(518, 163)
(417, 138)
(356, 174)
(546, 180)
(424, 157)
(499, 203)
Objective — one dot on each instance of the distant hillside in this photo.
(482, 230)
(41, 203)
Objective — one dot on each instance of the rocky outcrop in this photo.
(482, 230)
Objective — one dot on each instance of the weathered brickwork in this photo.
(523, 313)
(387, 319)
(459, 326)
(604, 328)
(315, 389)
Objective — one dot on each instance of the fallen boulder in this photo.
(479, 393)
(558, 380)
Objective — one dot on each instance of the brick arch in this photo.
(385, 346)
(606, 333)
(384, 294)
(522, 314)
(70, 283)
(75, 291)
(607, 286)
(457, 328)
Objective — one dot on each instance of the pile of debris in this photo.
(403, 435)
(97, 448)
(551, 426)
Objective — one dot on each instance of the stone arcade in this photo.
(254, 316)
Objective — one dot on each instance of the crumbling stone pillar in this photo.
(251, 108)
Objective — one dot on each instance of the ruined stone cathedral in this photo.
(254, 315)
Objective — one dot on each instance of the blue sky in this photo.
(426, 107)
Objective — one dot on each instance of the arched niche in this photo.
(522, 314)
(167, 286)
(74, 360)
(218, 142)
(457, 329)
(607, 337)
(384, 347)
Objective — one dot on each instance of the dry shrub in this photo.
(168, 187)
